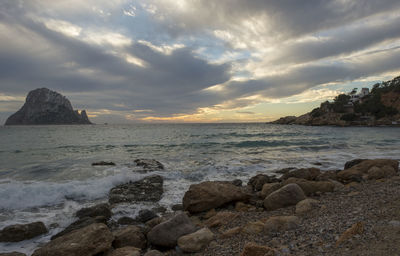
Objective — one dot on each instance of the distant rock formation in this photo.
(44, 106)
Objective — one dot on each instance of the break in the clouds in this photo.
(189, 60)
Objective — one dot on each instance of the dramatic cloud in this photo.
(190, 60)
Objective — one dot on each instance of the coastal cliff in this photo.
(381, 106)
(44, 106)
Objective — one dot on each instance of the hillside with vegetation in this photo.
(380, 106)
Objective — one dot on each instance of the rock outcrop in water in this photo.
(44, 106)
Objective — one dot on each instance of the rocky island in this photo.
(44, 106)
(381, 106)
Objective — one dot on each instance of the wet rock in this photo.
(90, 240)
(166, 234)
(211, 194)
(153, 253)
(20, 232)
(311, 187)
(259, 180)
(81, 223)
(281, 223)
(103, 163)
(196, 241)
(94, 211)
(350, 175)
(356, 229)
(177, 207)
(352, 163)
(129, 236)
(290, 194)
(389, 168)
(125, 251)
(149, 164)
(268, 188)
(306, 205)
(146, 215)
(149, 189)
(252, 249)
(221, 218)
(304, 173)
(127, 221)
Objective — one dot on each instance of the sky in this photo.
(128, 61)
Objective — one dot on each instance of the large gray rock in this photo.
(211, 194)
(149, 189)
(43, 106)
(288, 195)
(20, 232)
(166, 234)
(90, 240)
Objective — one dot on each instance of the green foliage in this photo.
(349, 117)
(316, 112)
(339, 102)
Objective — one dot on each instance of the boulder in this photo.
(356, 172)
(20, 232)
(44, 106)
(166, 234)
(281, 223)
(290, 194)
(153, 253)
(352, 163)
(268, 188)
(211, 194)
(149, 189)
(90, 240)
(149, 164)
(306, 206)
(129, 236)
(196, 241)
(146, 215)
(259, 180)
(376, 173)
(81, 223)
(304, 173)
(252, 249)
(311, 187)
(94, 211)
(125, 251)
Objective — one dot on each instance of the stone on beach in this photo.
(125, 251)
(94, 211)
(356, 229)
(288, 195)
(90, 240)
(252, 249)
(306, 205)
(153, 253)
(369, 168)
(148, 189)
(129, 236)
(20, 232)
(166, 234)
(81, 223)
(211, 194)
(311, 187)
(196, 241)
(281, 223)
(268, 188)
(304, 173)
(259, 180)
(221, 218)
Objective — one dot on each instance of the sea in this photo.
(46, 173)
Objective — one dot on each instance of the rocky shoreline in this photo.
(354, 211)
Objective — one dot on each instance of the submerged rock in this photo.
(90, 240)
(149, 164)
(211, 194)
(166, 234)
(149, 189)
(103, 163)
(43, 106)
(20, 232)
